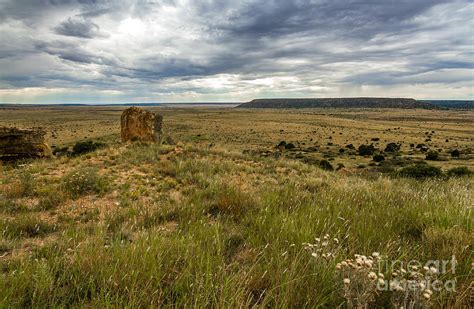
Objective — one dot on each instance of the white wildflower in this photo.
(372, 276)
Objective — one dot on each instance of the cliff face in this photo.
(16, 144)
(338, 102)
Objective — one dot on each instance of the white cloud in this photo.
(234, 51)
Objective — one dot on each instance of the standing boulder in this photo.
(16, 144)
(138, 124)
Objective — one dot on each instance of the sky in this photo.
(105, 51)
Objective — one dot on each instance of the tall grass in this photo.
(238, 237)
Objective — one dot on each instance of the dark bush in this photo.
(350, 146)
(340, 166)
(392, 147)
(85, 147)
(378, 158)
(459, 171)
(61, 151)
(432, 155)
(420, 171)
(385, 168)
(290, 146)
(366, 150)
(325, 165)
(455, 153)
(375, 139)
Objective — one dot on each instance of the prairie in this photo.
(218, 216)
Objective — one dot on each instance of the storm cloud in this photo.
(183, 50)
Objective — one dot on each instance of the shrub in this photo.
(340, 166)
(386, 167)
(325, 165)
(85, 147)
(281, 145)
(378, 158)
(459, 171)
(50, 200)
(366, 150)
(455, 153)
(83, 181)
(432, 155)
(420, 171)
(61, 151)
(169, 141)
(229, 202)
(24, 185)
(392, 147)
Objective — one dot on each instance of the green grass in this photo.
(234, 236)
(25, 225)
(82, 181)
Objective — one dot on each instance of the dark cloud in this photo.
(350, 18)
(78, 27)
(244, 48)
(74, 52)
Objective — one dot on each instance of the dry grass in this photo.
(195, 225)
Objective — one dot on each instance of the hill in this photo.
(338, 102)
(458, 104)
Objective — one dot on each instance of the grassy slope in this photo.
(196, 227)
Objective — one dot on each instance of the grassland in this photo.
(220, 218)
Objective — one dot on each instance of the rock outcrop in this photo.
(138, 124)
(16, 144)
